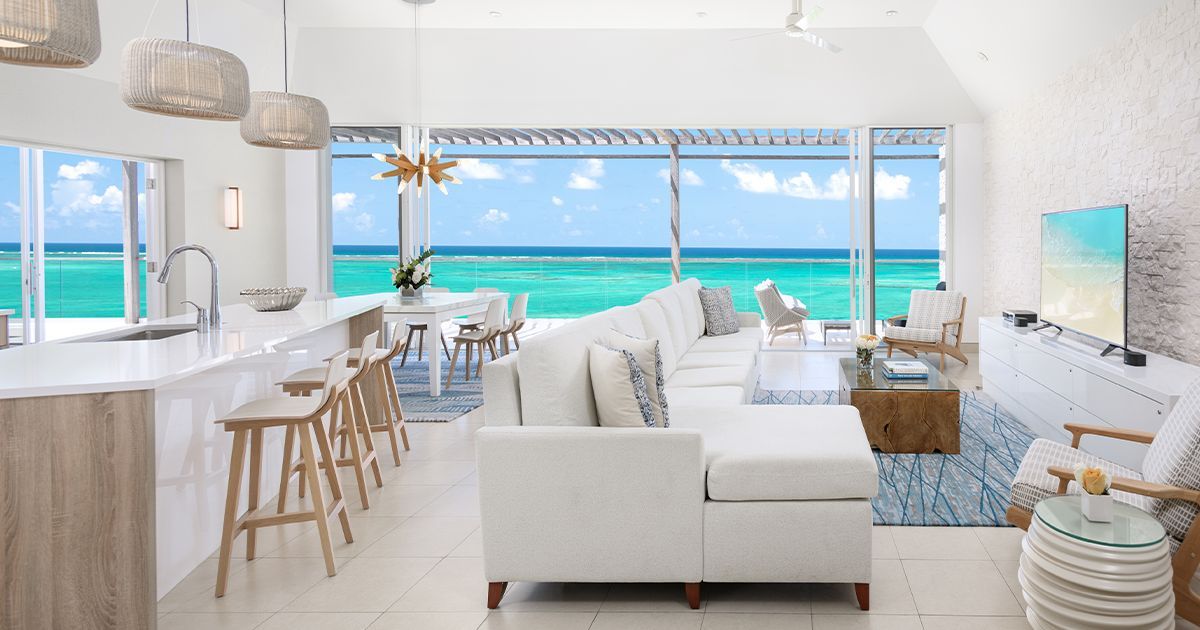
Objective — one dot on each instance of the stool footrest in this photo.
(249, 521)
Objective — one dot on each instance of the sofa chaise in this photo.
(731, 492)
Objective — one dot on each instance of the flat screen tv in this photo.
(1084, 263)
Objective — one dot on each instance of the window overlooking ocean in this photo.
(586, 227)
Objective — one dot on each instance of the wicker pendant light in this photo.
(49, 33)
(280, 120)
(179, 78)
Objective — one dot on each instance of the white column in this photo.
(308, 195)
(675, 256)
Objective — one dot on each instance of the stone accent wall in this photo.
(1122, 126)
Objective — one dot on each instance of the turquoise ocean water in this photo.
(85, 280)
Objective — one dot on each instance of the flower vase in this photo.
(1097, 508)
(866, 358)
(410, 292)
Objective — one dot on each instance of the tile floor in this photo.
(415, 563)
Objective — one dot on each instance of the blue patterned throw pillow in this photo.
(720, 318)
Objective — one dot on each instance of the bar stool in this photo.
(387, 392)
(353, 422)
(484, 337)
(421, 328)
(303, 417)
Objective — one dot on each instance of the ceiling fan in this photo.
(797, 25)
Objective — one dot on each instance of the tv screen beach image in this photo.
(1083, 271)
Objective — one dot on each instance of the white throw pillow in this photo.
(649, 358)
(619, 388)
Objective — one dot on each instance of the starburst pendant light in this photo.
(281, 120)
(50, 33)
(180, 78)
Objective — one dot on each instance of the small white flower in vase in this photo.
(1095, 500)
(864, 350)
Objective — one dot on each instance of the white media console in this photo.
(1047, 379)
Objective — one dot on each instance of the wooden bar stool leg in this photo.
(453, 360)
(467, 365)
(255, 482)
(383, 390)
(335, 484)
(232, 495)
(351, 436)
(285, 475)
(318, 500)
(364, 428)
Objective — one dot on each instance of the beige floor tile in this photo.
(396, 499)
(422, 537)
(457, 450)
(959, 587)
(757, 598)
(471, 480)
(203, 579)
(434, 473)
(472, 547)
(1003, 544)
(319, 621)
(866, 622)
(641, 597)
(554, 597)
(647, 621)
(365, 531)
(755, 621)
(890, 594)
(938, 543)
(457, 501)
(882, 544)
(1009, 571)
(974, 623)
(266, 585)
(211, 621)
(364, 584)
(454, 585)
(429, 621)
(538, 621)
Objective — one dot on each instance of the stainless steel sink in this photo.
(143, 333)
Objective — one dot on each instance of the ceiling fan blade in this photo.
(813, 15)
(774, 32)
(820, 42)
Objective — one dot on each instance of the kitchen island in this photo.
(113, 473)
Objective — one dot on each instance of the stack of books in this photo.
(905, 370)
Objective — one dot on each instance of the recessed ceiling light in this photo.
(981, 56)
(701, 14)
(892, 13)
(495, 14)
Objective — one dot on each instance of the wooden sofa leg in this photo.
(863, 592)
(692, 589)
(495, 593)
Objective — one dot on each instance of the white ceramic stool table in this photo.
(1078, 574)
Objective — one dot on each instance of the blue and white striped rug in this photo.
(412, 383)
(970, 488)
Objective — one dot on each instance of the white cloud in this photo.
(566, 218)
(525, 178)
(592, 167)
(344, 201)
(78, 196)
(112, 198)
(466, 232)
(493, 217)
(363, 222)
(575, 233)
(556, 200)
(591, 207)
(580, 182)
(739, 229)
(474, 168)
(524, 162)
(12, 206)
(79, 170)
(888, 186)
(821, 233)
(687, 177)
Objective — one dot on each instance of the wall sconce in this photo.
(233, 208)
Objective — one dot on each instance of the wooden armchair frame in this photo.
(941, 346)
(1186, 559)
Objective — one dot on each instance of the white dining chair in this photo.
(516, 321)
(480, 338)
(472, 321)
(420, 330)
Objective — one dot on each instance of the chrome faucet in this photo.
(214, 308)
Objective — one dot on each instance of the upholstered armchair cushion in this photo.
(927, 335)
(1174, 460)
(927, 311)
(1032, 483)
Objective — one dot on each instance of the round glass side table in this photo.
(1078, 574)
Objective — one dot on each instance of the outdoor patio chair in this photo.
(933, 324)
(1168, 487)
(783, 313)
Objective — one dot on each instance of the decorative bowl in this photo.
(274, 298)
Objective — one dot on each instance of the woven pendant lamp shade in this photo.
(279, 120)
(177, 78)
(50, 33)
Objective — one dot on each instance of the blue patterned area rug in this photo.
(970, 488)
(412, 383)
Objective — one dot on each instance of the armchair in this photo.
(1168, 488)
(783, 313)
(933, 324)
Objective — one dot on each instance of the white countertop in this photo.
(435, 302)
(73, 367)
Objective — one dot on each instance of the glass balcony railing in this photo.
(76, 285)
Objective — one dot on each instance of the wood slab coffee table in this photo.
(913, 416)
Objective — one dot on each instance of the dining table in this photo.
(433, 309)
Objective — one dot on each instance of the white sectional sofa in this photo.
(731, 492)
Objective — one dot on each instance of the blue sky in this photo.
(591, 200)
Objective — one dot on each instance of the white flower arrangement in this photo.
(866, 342)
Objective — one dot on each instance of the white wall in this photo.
(966, 265)
(1122, 126)
(70, 110)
